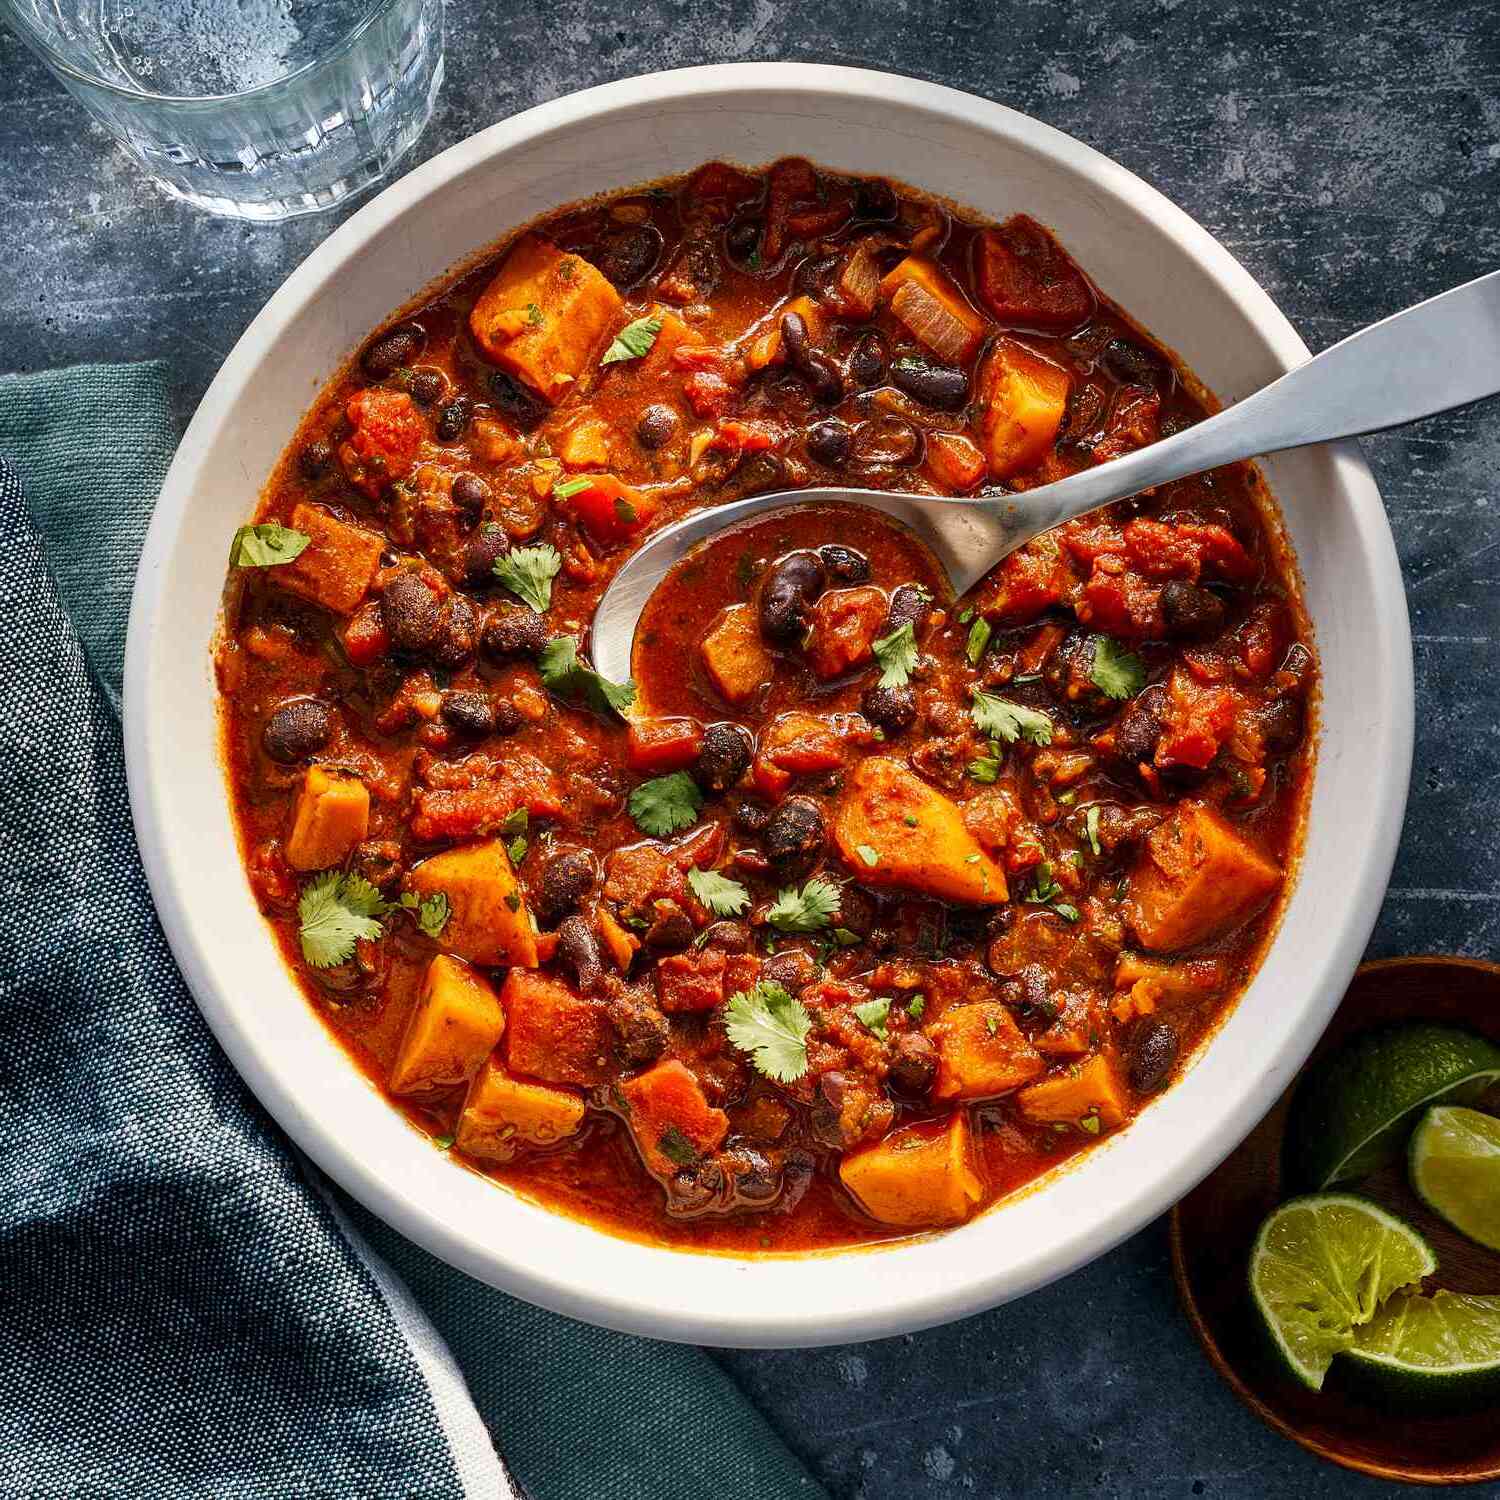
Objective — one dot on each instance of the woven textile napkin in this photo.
(185, 1308)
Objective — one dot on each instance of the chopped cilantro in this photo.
(564, 674)
(443, 1142)
(513, 900)
(1045, 888)
(676, 1147)
(721, 895)
(915, 1006)
(1067, 911)
(992, 1024)
(633, 341)
(870, 855)
(979, 637)
(1116, 672)
(772, 1027)
(565, 489)
(1003, 720)
(517, 848)
(806, 910)
(534, 315)
(965, 614)
(873, 1013)
(528, 573)
(625, 512)
(1091, 827)
(910, 821)
(1090, 1123)
(897, 655)
(432, 911)
(517, 822)
(985, 770)
(845, 938)
(267, 545)
(335, 911)
(666, 804)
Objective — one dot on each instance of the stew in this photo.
(860, 906)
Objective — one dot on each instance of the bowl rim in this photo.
(731, 1317)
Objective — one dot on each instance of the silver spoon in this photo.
(1442, 353)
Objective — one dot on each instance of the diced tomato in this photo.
(658, 745)
(610, 510)
(1263, 639)
(691, 981)
(811, 222)
(1197, 720)
(708, 393)
(1119, 602)
(1134, 423)
(845, 624)
(1025, 277)
(793, 183)
(1220, 550)
(747, 437)
(468, 811)
(1028, 582)
(1159, 550)
(700, 849)
(796, 744)
(719, 186)
(388, 431)
(365, 638)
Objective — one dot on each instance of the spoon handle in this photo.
(1441, 353)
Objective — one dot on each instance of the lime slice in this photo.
(1352, 1112)
(1454, 1162)
(1438, 1351)
(1321, 1266)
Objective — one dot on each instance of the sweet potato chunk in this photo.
(502, 1114)
(953, 460)
(981, 1052)
(337, 566)
(455, 1026)
(844, 626)
(1196, 878)
(488, 922)
(691, 981)
(734, 656)
(918, 1177)
(544, 317)
(916, 834)
(331, 817)
(552, 1032)
(1024, 276)
(671, 1120)
(1091, 1091)
(1022, 398)
(933, 309)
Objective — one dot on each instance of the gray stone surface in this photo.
(1348, 152)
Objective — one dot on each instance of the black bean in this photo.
(514, 401)
(1153, 1055)
(845, 564)
(631, 255)
(814, 275)
(1130, 363)
(297, 728)
(508, 718)
(454, 418)
(1125, 827)
(728, 937)
(756, 1178)
(791, 587)
(656, 426)
(1281, 724)
(411, 613)
(742, 240)
(911, 604)
(469, 713)
(486, 544)
(796, 830)
(823, 378)
(828, 442)
(315, 459)
(457, 635)
(874, 199)
(514, 630)
(1190, 611)
(642, 1030)
(888, 441)
(751, 816)
(670, 928)
(1139, 727)
(867, 361)
(567, 879)
(578, 952)
(892, 708)
(724, 758)
(913, 1064)
(471, 493)
(395, 347)
(792, 969)
(932, 384)
(425, 386)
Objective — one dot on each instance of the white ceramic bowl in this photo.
(1145, 253)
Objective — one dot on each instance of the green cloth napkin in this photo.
(578, 1413)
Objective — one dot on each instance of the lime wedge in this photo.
(1321, 1266)
(1353, 1111)
(1441, 1351)
(1454, 1161)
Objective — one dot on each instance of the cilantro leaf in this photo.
(267, 545)
(1002, 720)
(985, 770)
(721, 895)
(1066, 910)
(979, 637)
(806, 910)
(564, 674)
(874, 1013)
(1116, 672)
(335, 911)
(432, 911)
(516, 822)
(633, 341)
(676, 1147)
(528, 573)
(897, 655)
(666, 804)
(915, 1006)
(772, 1027)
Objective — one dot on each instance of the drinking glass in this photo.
(257, 109)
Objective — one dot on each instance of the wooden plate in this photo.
(1212, 1229)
